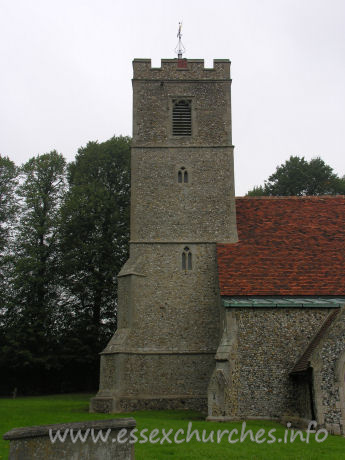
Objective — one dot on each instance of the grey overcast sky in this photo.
(66, 73)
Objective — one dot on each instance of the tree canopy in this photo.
(64, 233)
(300, 177)
(8, 183)
(94, 244)
(28, 352)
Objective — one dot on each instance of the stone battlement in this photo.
(181, 69)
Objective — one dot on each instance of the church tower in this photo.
(182, 203)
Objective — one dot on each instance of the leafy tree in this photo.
(30, 324)
(258, 190)
(299, 177)
(94, 245)
(8, 208)
(8, 182)
(69, 246)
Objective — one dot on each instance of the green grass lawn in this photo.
(74, 408)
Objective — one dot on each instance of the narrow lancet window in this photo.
(182, 175)
(184, 264)
(187, 259)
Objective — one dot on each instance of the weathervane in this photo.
(180, 49)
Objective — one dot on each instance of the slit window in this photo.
(182, 118)
(182, 175)
(187, 263)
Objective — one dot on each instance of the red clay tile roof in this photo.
(287, 246)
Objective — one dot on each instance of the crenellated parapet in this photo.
(181, 69)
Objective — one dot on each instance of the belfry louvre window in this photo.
(182, 118)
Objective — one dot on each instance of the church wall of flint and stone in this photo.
(257, 353)
(176, 346)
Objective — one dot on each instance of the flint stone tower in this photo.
(182, 204)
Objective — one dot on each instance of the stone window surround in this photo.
(179, 167)
(180, 255)
(181, 173)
